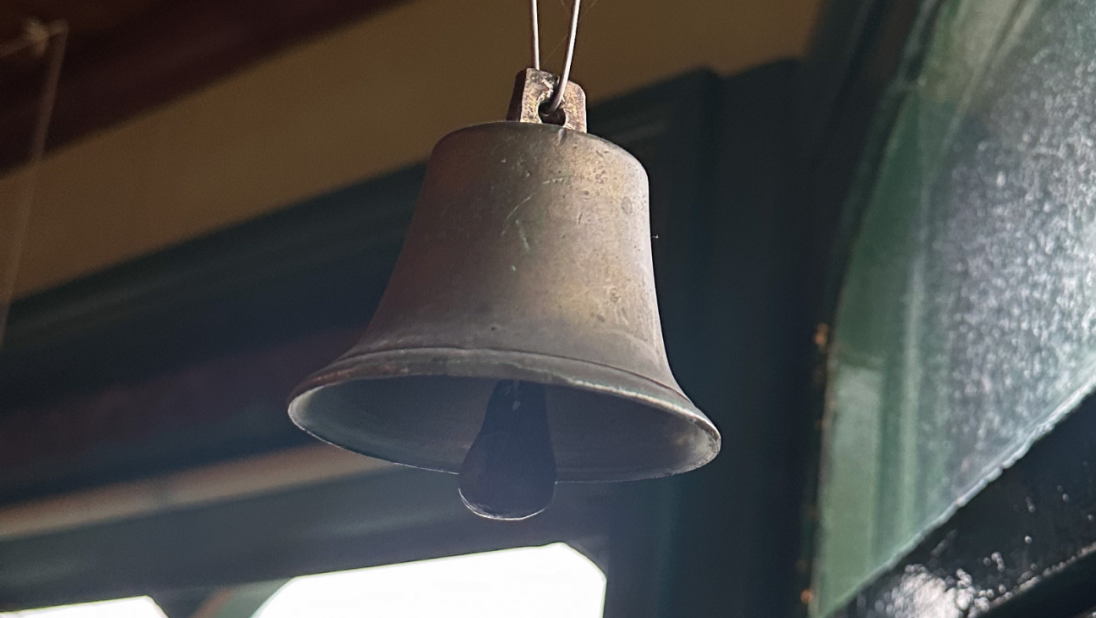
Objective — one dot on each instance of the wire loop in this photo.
(561, 86)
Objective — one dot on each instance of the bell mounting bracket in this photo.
(532, 91)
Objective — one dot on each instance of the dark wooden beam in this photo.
(155, 54)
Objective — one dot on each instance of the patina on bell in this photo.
(528, 259)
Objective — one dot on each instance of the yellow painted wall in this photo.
(368, 98)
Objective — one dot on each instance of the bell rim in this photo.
(550, 370)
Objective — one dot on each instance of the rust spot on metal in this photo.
(822, 337)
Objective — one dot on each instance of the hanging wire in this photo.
(561, 86)
(38, 38)
(536, 36)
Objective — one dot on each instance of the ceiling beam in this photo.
(159, 54)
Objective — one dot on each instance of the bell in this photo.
(527, 262)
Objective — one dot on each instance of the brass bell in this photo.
(528, 260)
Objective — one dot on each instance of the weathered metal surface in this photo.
(534, 88)
(528, 258)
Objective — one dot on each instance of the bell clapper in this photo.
(510, 471)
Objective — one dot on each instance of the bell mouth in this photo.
(423, 408)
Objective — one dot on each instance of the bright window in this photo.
(139, 607)
(536, 582)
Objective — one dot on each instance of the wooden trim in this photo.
(202, 486)
(353, 522)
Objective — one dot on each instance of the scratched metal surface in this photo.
(967, 322)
